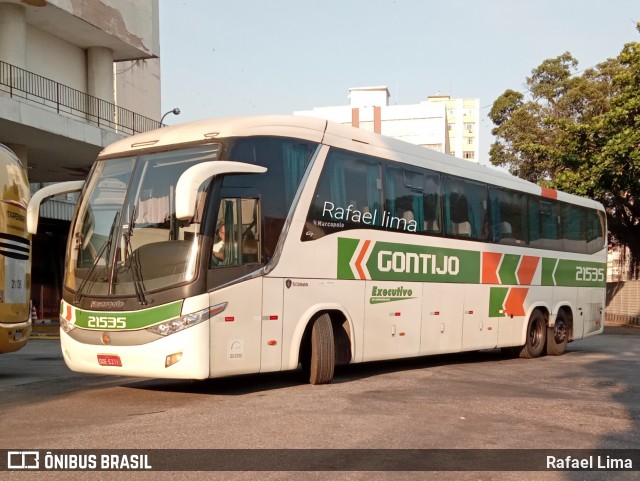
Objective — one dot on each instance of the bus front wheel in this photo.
(536, 336)
(558, 336)
(323, 351)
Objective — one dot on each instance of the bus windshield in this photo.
(126, 224)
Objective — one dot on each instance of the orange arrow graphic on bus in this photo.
(490, 264)
(358, 263)
(514, 303)
(527, 270)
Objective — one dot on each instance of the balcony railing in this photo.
(21, 83)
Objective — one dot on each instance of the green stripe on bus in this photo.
(388, 261)
(581, 274)
(497, 296)
(127, 320)
(548, 267)
(346, 250)
(508, 268)
(407, 262)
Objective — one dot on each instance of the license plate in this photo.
(109, 360)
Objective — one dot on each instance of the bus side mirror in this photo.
(192, 178)
(33, 209)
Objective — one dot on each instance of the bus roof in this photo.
(334, 134)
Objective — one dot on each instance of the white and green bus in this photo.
(256, 244)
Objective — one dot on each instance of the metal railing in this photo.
(27, 85)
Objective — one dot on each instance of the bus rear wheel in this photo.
(536, 336)
(323, 351)
(558, 336)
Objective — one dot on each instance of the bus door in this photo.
(236, 333)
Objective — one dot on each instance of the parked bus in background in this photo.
(15, 254)
(256, 244)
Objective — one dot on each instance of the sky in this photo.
(252, 57)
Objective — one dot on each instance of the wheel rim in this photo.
(536, 333)
(560, 332)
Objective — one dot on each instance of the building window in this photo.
(451, 126)
(468, 155)
(468, 126)
(470, 140)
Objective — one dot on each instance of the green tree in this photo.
(579, 133)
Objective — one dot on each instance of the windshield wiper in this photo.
(134, 261)
(106, 246)
(136, 271)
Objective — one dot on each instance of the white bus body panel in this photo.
(146, 360)
(591, 306)
(392, 328)
(236, 332)
(306, 297)
(478, 330)
(441, 314)
(272, 318)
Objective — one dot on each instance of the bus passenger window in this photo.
(465, 208)
(595, 227)
(509, 216)
(432, 221)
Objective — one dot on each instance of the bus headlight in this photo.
(66, 325)
(183, 322)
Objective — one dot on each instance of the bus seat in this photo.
(431, 225)
(462, 228)
(505, 230)
(431, 214)
(249, 248)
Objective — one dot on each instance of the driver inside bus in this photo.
(218, 247)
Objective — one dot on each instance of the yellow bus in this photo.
(15, 254)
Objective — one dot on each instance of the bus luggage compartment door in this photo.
(392, 320)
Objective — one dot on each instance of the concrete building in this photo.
(420, 124)
(75, 76)
(463, 125)
(439, 123)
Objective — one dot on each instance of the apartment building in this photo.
(463, 124)
(439, 123)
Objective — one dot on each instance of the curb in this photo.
(45, 329)
(622, 319)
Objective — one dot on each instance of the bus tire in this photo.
(536, 336)
(323, 351)
(558, 335)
